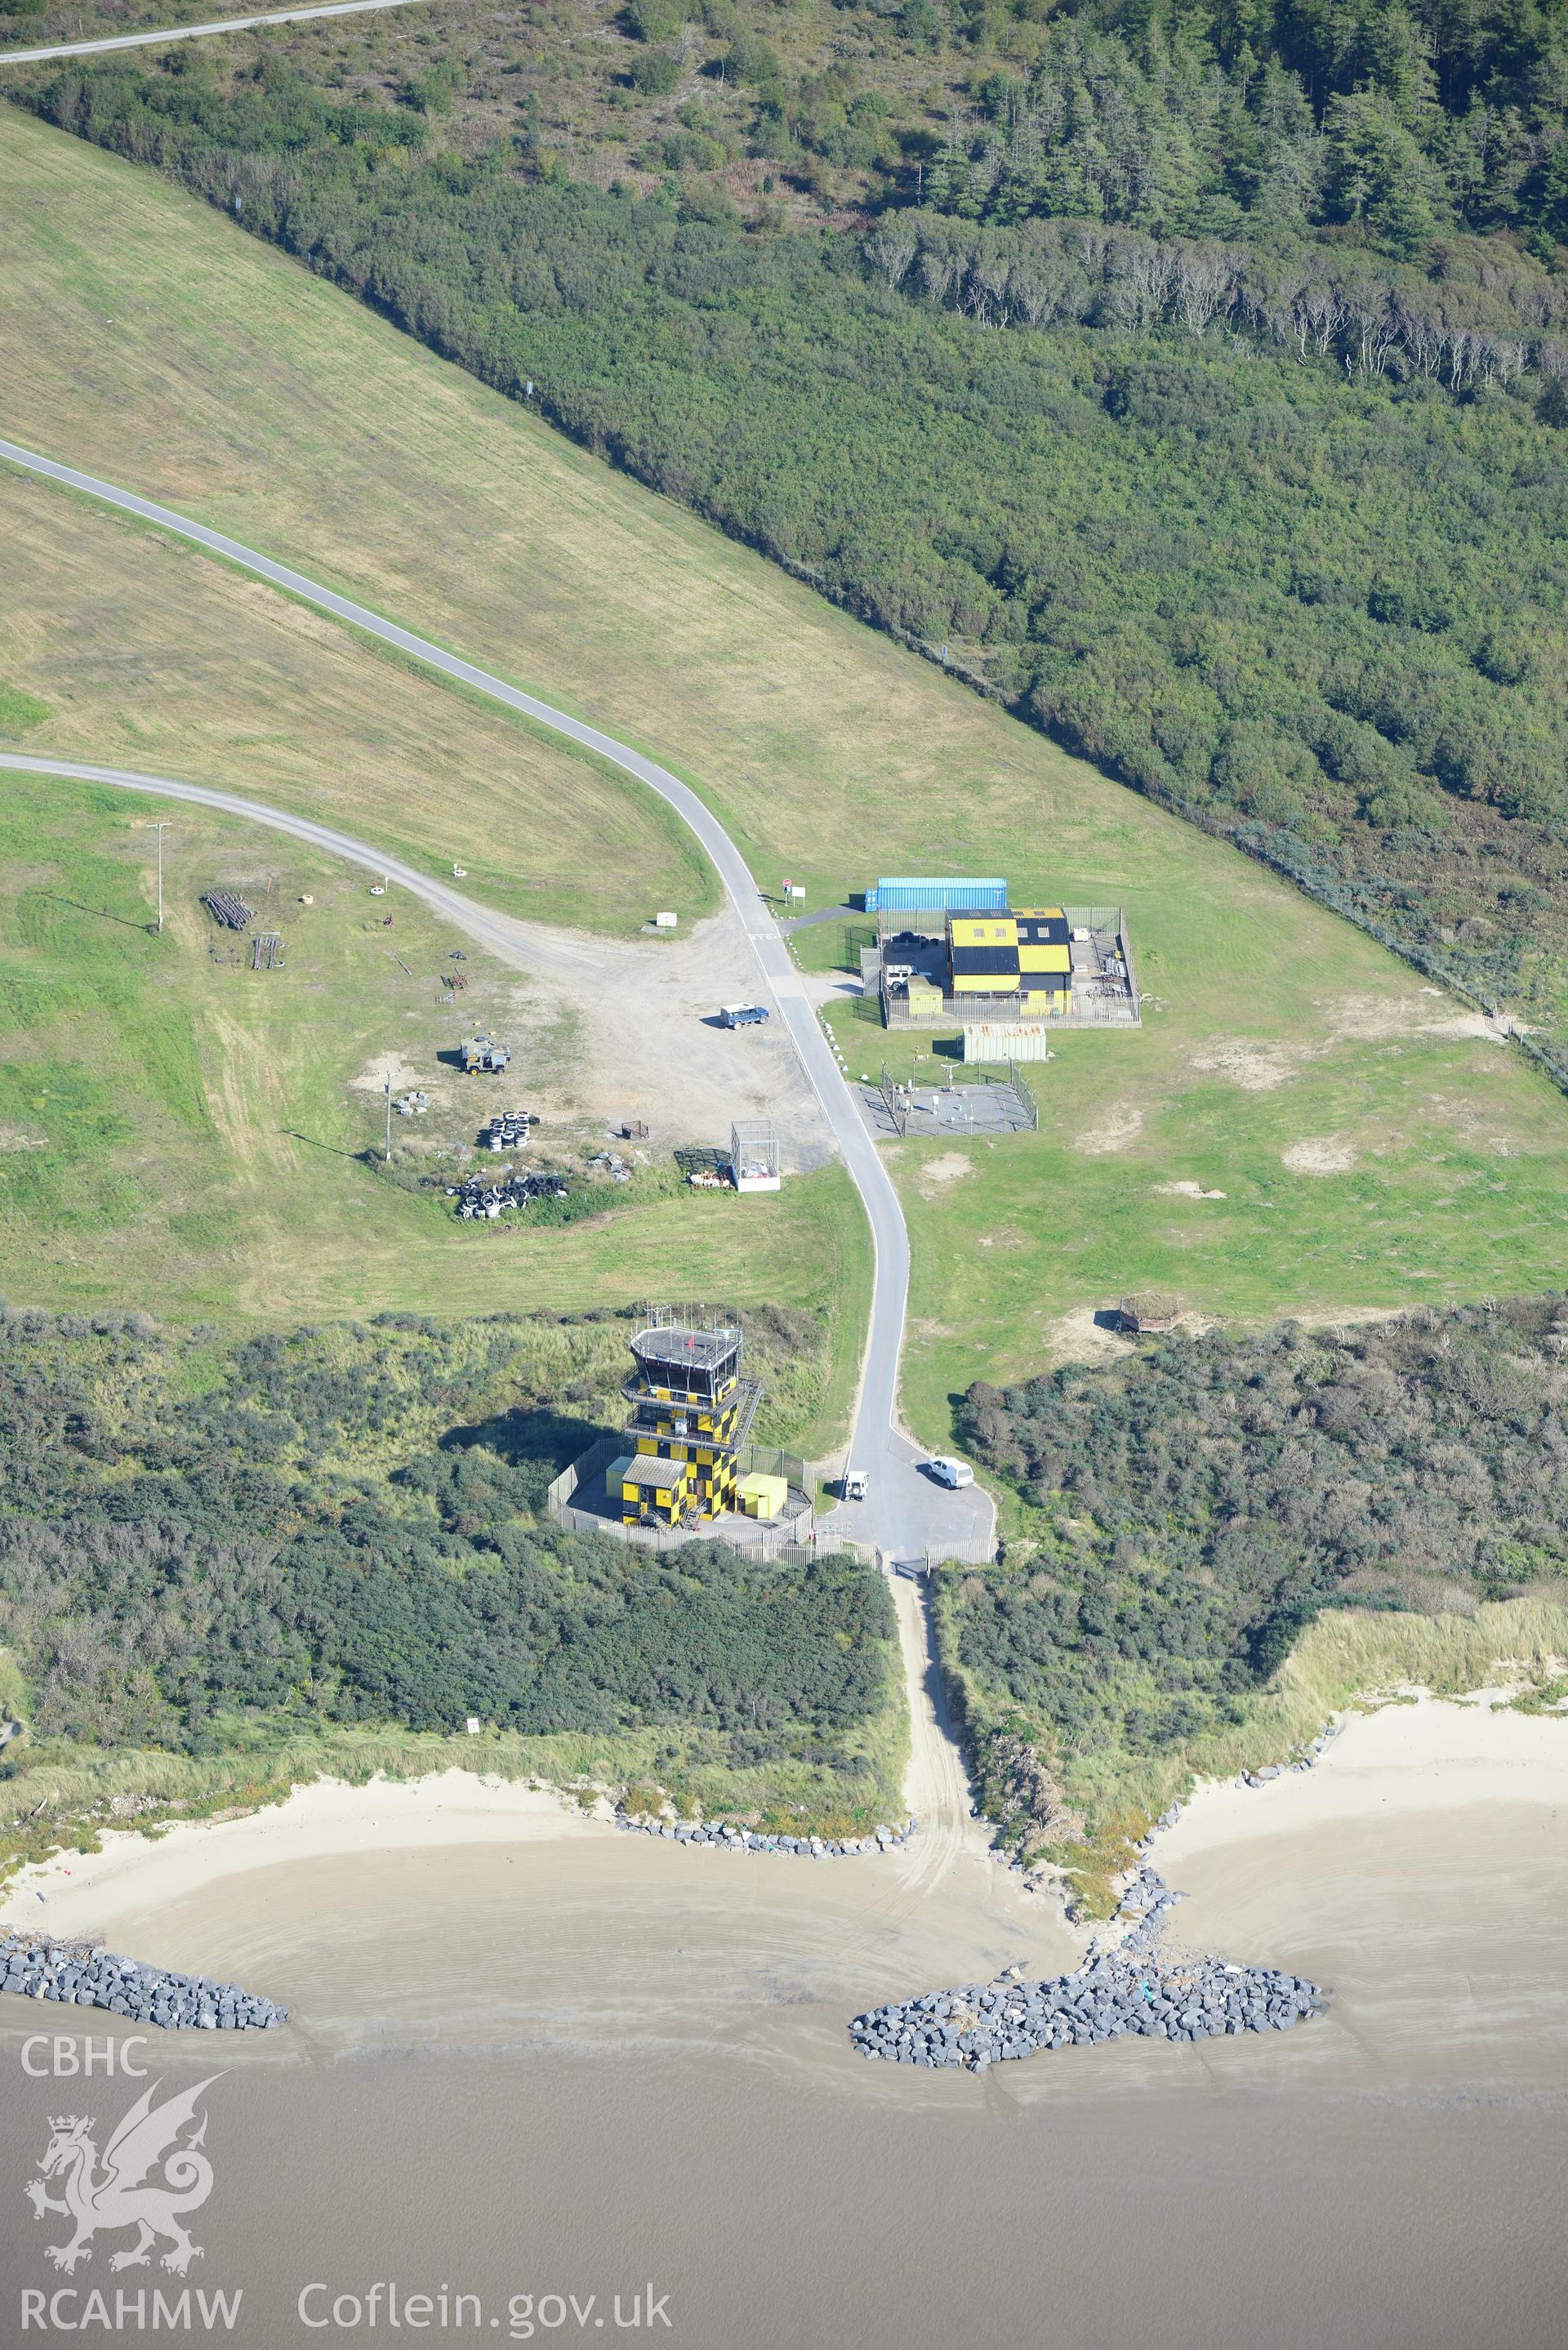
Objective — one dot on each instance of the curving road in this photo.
(935, 1787)
(193, 32)
(508, 939)
(906, 1515)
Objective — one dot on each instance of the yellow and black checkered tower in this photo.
(690, 1413)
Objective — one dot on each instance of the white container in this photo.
(665, 921)
(1011, 1040)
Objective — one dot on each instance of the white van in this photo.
(950, 1472)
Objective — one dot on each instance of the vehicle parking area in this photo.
(601, 1035)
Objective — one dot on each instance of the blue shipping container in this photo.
(905, 897)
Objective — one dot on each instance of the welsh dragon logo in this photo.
(150, 2175)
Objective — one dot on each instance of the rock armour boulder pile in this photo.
(1116, 1994)
(77, 1976)
(809, 1847)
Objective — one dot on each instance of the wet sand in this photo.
(575, 2064)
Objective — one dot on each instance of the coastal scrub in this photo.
(1225, 1538)
(227, 1566)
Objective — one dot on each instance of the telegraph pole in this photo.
(161, 828)
(389, 1158)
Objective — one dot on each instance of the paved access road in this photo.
(907, 1514)
(193, 32)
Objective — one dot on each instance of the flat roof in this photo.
(646, 1468)
(700, 1350)
(974, 928)
(985, 962)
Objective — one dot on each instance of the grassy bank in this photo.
(135, 650)
(59, 1797)
(1286, 1060)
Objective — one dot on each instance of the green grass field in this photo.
(1287, 1062)
(152, 340)
(179, 1132)
(134, 650)
(1373, 1151)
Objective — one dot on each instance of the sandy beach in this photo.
(528, 2054)
(323, 1821)
(1425, 1755)
(1431, 1753)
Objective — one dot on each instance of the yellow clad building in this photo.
(1044, 960)
(691, 1412)
(1025, 954)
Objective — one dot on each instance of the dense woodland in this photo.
(1253, 117)
(337, 1526)
(1193, 1508)
(1382, 124)
(1209, 409)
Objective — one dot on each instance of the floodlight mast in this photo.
(161, 827)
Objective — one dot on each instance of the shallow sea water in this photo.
(586, 2069)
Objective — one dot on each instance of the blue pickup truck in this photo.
(743, 1016)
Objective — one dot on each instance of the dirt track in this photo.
(642, 1042)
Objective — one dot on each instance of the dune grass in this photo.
(59, 1797)
(1346, 1660)
(1370, 1157)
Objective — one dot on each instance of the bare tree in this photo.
(893, 248)
(1202, 285)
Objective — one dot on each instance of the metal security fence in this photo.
(1105, 980)
(794, 1533)
(1026, 1093)
(767, 1460)
(970, 1100)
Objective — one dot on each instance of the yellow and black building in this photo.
(1023, 956)
(1044, 960)
(690, 1413)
